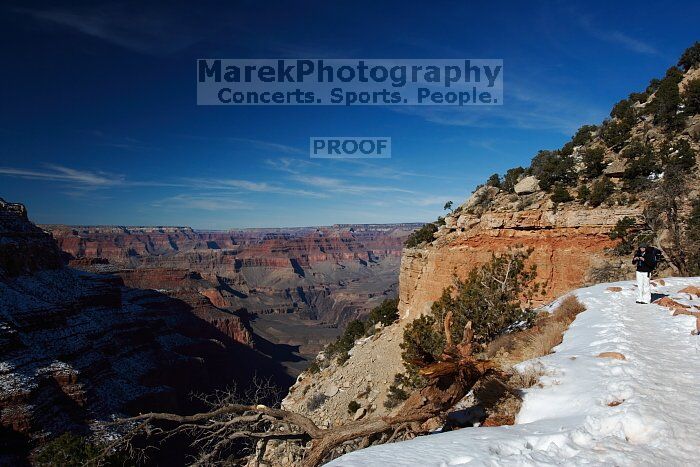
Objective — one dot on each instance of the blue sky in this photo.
(99, 123)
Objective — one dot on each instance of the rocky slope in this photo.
(569, 238)
(77, 347)
(364, 378)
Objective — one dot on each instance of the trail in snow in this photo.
(570, 420)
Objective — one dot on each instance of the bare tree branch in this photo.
(214, 433)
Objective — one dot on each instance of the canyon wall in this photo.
(226, 250)
(332, 274)
(296, 288)
(566, 245)
(77, 347)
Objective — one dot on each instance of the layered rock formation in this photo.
(78, 347)
(200, 297)
(326, 273)
(232, 250)
(24, 248)
(313, 280)
(566, 245)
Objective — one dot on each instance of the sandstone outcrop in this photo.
(613, 355)
(481, 195)
(615, 169)
(670, 303)
(566, 244)
(691, 289)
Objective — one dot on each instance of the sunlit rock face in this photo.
(566, 244)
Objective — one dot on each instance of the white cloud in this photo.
(290, 165)
(153, 31)
(526, 106)
(271, 146)
(613, 36)
(82, 179)
(367, 169)
(336, 185)
(250, 186)
(59, 173)
(433, 200)
(202, 202)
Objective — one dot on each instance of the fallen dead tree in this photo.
(215, 432)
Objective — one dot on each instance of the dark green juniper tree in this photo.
(494, 297)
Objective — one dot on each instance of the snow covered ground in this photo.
(644, 410)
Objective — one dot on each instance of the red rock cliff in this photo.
(566, 243)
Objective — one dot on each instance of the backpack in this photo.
(656, 256)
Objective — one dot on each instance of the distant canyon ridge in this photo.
(293, 288)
